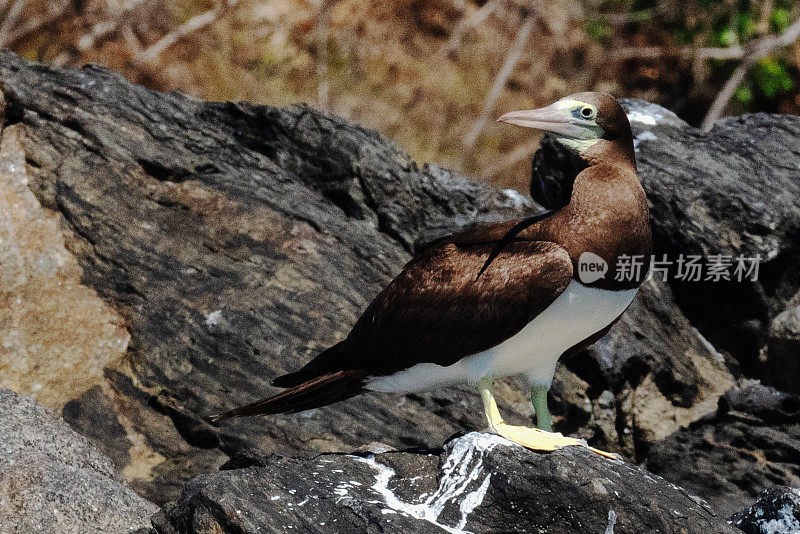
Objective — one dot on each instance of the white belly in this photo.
(576, 314)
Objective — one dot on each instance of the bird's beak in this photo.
(556, 118)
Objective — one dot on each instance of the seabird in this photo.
(501, 299)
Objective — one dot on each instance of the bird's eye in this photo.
(588, 112)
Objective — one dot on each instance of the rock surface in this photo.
(479, 483)
(50, 323)
(781, 359)
(654, 372)
(233, 256)
(738, 198)
(234, 241)
(777, 511)
(752, 442)
(54, 480)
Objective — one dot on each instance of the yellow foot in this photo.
(539, 440)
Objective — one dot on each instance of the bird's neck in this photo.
(608, 152)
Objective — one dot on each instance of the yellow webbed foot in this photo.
(541, 441)
(531, 438)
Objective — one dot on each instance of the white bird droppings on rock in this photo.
(462, 468)
(214, 318)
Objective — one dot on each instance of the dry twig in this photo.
(657, 52)
(323, 30)
(519, 154)
(105, 29)
(33, 24)
(465, 24)
(512, 58)
(10, 19)
(152, 52)
(755, 51)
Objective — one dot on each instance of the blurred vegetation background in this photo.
(433, 74)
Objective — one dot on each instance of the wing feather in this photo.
(437, 310)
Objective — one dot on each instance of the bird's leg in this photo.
(532, 438)
(539, 401)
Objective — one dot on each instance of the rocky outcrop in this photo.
(235, 246)
(233, 241)
(208, 247)
(54, 480)
(752, 442)
(732, 191)
(652, 374)
(478, 483)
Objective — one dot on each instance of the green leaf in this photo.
(743, 95)
(598, 30)
(779, 20)
(745, 27)
(772, 76)
(728, 37)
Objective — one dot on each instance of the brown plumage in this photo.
(438, 309)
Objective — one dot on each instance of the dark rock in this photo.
(236, 241)
(739, 197)
(781, 359)
(53, 480)
(657, 372)
(751, 443)
(94, 416)
(777, 511)
(479, 483)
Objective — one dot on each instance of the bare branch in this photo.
(100, 31)
(152, 53)
(757, 50)
(657, 52)
(719, 104)
(465, 24)
(519, 154)
(768, 42)
(323, 30)
(10, 19)
(512, 58)
(33, 24)
(105, 29)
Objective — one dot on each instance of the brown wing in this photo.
(437, 310)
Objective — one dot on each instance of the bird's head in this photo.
(589, 124)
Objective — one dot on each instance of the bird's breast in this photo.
(577, 314)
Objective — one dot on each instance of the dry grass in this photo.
(385, 64)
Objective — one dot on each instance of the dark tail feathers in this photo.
(313, 393)
(327, 361)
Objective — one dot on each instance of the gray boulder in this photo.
(478, 483)
(235, 241)
(732, 191)
(751, 443)
(54, 480)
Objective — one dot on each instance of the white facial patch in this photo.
(590, 130)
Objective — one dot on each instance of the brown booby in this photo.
(501, 299)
